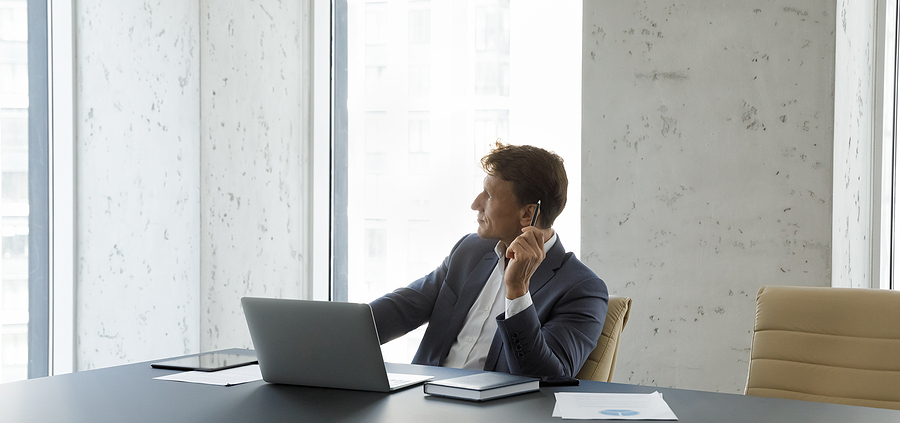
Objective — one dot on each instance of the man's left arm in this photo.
(561, 345)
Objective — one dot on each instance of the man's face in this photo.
(499, 215)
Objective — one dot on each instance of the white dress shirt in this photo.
(470, 349)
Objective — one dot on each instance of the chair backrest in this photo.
(837, 345)
(602, 361)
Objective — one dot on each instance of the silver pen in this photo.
(536, 211)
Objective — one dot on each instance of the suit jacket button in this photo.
(515, 335)
(518, 348)
(521, 355)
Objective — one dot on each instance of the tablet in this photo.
(208, 362)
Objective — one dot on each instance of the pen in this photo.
(536, 211)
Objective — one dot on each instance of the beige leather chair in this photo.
(837, 345)
(602, 361)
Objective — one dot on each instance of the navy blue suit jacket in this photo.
(554, 336)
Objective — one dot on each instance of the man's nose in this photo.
(476, 203)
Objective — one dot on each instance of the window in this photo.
(24, 191)
(430, 85)
(492, 48)
(419, 75)
(14, 207)
(886, 243)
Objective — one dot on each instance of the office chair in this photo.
(602, 361)
(836, 345)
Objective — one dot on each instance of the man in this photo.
(539, 311)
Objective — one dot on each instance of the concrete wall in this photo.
(138, 193)
(854, 145)
(707, 148)
(251, 173)
(189, 191)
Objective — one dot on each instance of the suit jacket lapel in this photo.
(468, 293)
(552, 262)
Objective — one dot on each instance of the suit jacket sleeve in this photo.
(405, 309)
(562, 344)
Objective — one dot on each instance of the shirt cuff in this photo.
(518, 305)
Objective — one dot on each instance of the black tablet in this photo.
(208, 362)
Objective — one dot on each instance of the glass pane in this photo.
(14, 190)
(431, 87)
(893, 22)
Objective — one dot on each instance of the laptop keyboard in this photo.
(399, 379)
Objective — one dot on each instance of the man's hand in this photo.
(526, 254)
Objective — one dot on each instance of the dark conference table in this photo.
(128, 393)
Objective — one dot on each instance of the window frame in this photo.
(39, 302)
(339, 154)
(886, 203)
(318, 119)
(62, 270)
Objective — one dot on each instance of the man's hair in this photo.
(535, 173)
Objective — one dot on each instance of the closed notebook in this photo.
(483, 386)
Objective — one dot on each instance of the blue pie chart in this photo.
(620, 413)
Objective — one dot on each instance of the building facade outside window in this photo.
(14, 190)
(431, 85)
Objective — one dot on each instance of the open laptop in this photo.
(320, 343)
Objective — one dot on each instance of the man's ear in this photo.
(526, 214)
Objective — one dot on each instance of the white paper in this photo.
(227, 377)
(584, 405)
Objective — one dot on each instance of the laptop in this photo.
(320, 343)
